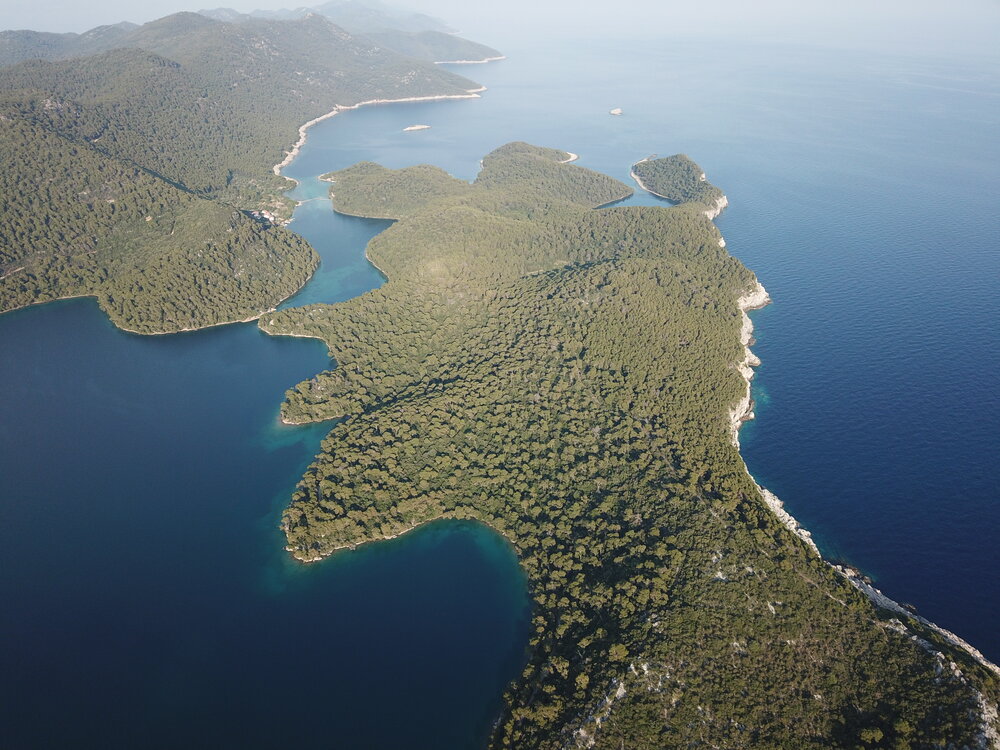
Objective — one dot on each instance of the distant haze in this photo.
(918, 26)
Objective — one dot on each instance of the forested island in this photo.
(143, 172)
(571, 377)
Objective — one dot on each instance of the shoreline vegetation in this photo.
(161, 199)
(715, 202)
(755, 299)
(431, 392)
(304, 129)
(741, 414)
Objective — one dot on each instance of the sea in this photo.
(146, 599)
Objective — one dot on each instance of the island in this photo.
(574, 377)
(146, 172)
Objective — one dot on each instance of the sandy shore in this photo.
(571, 157)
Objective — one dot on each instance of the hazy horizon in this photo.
(969, 27)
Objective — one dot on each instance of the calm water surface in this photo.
(147, 600)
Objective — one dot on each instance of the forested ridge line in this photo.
(143, 176)
(565, 375)
(422, 38)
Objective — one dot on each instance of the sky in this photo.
(956, 27)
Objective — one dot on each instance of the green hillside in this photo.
(184, 125)
(678, 179)
(157, 258)
(566, 375)
(433, 45)
(19, 45)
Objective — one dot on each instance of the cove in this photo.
(146, 599)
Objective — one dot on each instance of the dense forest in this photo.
(157, 258)
(143, 175)
(355, 16)
(565, 373)
(211, 104)
(680, 180)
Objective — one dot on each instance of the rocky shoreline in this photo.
(756, 298)
(303, 131)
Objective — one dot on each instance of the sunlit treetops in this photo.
(564, 373)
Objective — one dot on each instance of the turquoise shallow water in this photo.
(146, 597)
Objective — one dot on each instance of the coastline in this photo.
(470, 62)
(571, 157)
(303, 130)
(251, 319)
(289, 157)
(134, 332)
(281, 419)
(742, 412)
(712, 212)
(443, 517)
(213, 325)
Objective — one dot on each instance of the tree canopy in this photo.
(142, 175)
(564, 373)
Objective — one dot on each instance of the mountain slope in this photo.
(198, 110)
(16, 46)
(433, 45)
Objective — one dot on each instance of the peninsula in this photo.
(574, 378)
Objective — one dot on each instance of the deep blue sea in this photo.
(145, 598)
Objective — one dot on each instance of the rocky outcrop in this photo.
(989, 736)
(720, 204)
